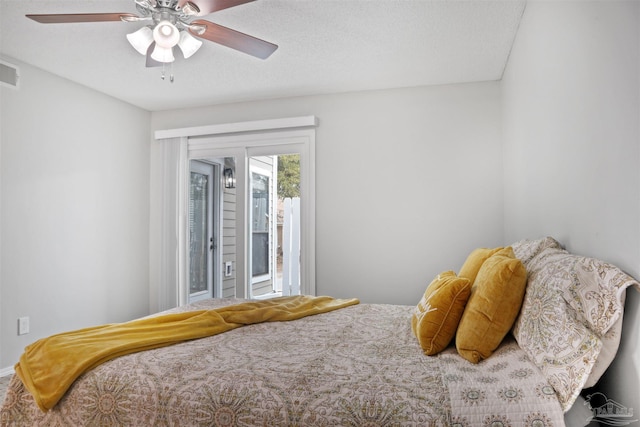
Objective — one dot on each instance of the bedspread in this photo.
(359, 365)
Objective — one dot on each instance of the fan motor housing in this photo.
(171, 4)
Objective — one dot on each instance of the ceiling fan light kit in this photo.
(188, 44)
(141, 39)
(172, 26)
(162, 54)
(166, 34)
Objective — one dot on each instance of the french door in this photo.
(202, 223)
(260, 220)
(253, 241)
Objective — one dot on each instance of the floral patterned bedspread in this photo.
(356, 366)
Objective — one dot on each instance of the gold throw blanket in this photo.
(49, 366)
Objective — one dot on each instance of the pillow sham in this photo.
(492, 307)
(526, 249)
(597, 295)
(474, 261)
(610, 345)
(548, 329)
(436, 317)
(596, 292)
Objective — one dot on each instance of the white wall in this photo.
(408, 181)
(74, 176)
(572, 144)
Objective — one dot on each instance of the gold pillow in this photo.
(474, 261)
(493, 306)
(435, 319)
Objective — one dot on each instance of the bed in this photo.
(361, 365)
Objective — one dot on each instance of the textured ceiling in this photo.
(325, 46)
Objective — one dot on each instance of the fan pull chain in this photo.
(162, 76)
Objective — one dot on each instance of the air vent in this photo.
(9, 74)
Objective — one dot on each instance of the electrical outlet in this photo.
(228, 269)
(23, 325)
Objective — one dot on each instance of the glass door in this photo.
(268, 233)
(261, 225)
(202, 239)
(260, 219)
(274, 224)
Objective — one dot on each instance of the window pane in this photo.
(198, 242)
(260, 259)
(260, 230)
(260, 199)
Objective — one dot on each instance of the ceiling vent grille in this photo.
(9, 75)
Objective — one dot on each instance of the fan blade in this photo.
(209, 6)
(234, 39)
(78, 17)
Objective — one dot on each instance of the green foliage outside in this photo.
(288, 176)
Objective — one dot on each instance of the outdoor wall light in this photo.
(229, 178)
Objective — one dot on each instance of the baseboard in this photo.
(5, 372)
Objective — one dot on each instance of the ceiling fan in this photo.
(171, 23)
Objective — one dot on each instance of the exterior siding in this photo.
(229, 241)
(229, 224)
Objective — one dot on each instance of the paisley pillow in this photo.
(596, 292)
(526, 249)
(548, 330)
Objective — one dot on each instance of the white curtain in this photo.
(168, 272)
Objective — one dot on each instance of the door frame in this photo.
(169, 169)
(270, 274)
(215, 224)
(242, 147)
